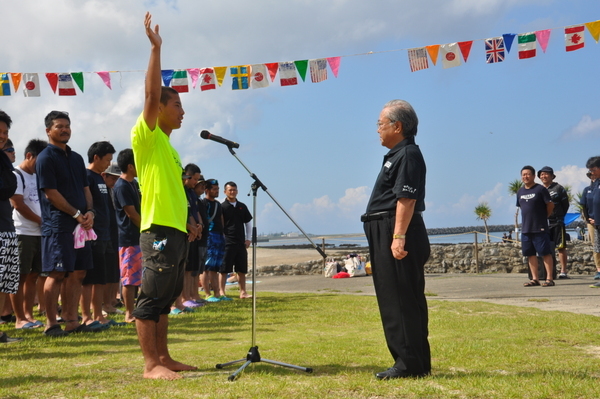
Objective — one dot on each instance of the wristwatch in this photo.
(77, 214)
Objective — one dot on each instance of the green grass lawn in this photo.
(479, 350)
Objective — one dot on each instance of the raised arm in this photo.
(153, 75)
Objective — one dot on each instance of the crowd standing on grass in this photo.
(76, 239)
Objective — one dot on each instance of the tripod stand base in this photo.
(254, 357)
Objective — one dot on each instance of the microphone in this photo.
(208, 136)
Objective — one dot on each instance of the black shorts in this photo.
(236, 256)
(558, 235)
(163, 267)
(201, 259)
(100, 259)
(30, 254)
(193, 261)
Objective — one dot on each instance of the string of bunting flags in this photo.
(257, 76)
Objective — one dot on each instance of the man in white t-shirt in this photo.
(27, 218)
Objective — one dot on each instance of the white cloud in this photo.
(587, 127)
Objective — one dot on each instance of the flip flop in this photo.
(27, 326)
(56, 331)
(116, 324)
(38, 323)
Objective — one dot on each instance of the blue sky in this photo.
(315, 146)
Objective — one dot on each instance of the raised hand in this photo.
(153, 35)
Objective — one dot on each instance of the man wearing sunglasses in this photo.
(163, 239)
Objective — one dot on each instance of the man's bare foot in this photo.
(174, 365)
(245, 295)
(161, 373)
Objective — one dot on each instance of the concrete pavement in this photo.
(572, 295)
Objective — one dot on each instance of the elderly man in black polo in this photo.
(398, 243)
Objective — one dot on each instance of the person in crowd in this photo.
(592, 208)
(215, 249)
(66, 201)
(27, 217)
(556, 221)
(238, 233)
(536, 205)
(203, 242)
(9, 256)
(100, 156)
(398, 243)
(191, 177)
(9, 150)
(113, 273)
(126, 194)
(586, 202)
(163, 240)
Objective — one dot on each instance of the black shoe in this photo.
(393, 372)
(5, 339)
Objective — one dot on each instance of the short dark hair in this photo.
(528, 167)
(191, 169)
(230, 184)
(593, 162)
(5, 118)
(125, 158)
(35, 146)
(166, 93)
(401, 111)
(54, 115)
(8, 143)
(100, 148)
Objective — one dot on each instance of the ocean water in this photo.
(361, 240)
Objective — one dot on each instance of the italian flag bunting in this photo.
(526, 45)
(180, 81)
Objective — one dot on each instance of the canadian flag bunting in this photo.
(574, 37)
(261, 75)
(207, 79)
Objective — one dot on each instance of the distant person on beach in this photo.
(536, 205)
(398, 243)
(163, 238)
(593, 209)
(199, 190)
(238, 233)
(556, 221)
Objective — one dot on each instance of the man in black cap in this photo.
(556, 220)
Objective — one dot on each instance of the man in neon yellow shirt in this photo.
(164, 212)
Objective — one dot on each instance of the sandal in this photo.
(532, 283)
(548, 283)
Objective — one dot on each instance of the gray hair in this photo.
(401, 111)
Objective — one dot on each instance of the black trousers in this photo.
(400, 290)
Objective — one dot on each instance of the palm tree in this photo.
(513, 188)
(484, 212)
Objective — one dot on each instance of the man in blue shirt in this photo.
(536, 205)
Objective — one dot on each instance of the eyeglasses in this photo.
(379, 124)
(213, 182)
(9, 149)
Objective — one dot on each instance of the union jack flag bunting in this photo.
(494, 50)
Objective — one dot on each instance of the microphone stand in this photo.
(253, 355)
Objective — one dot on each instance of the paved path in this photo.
(573, 295)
